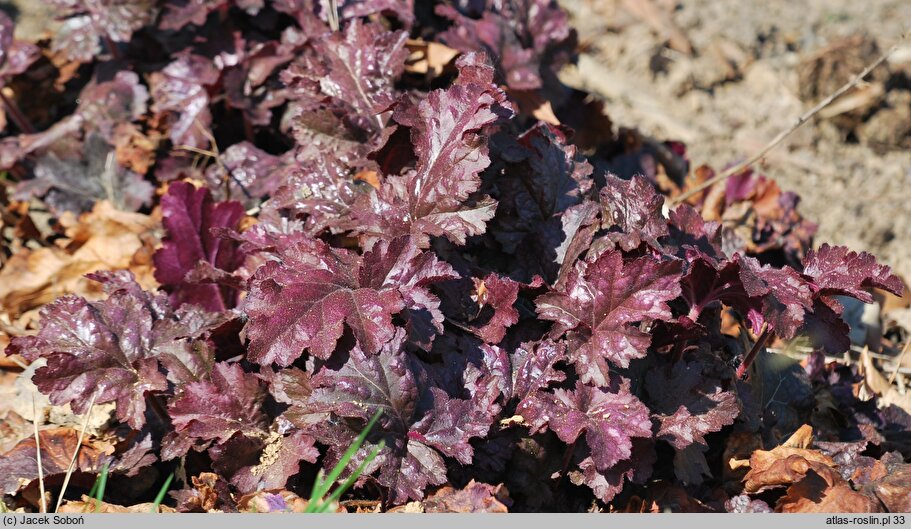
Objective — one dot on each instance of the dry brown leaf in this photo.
(826, 492)
(202, 497)
(475, 497)
(88, 504)
(533, 102)
(370, 177)
(894, 490)
(429, 58)
(802, 438)
(879, 385)
(786, 464)
(18, 467)
(19, 397)
(133, 149)
(103, 239)
(769, 471)
(412, 507)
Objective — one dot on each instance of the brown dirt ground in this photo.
(751, 61)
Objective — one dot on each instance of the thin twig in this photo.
(751, 355)
(69, 470)
(38, 456)
(898, 362)
(856, 80)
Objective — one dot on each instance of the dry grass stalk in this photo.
(72, 467)
(38, 456)
(855, 81)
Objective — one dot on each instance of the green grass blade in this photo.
(322, 485)
(102, 482)
(94, 489)
(346, 458)
(164, 490)
(354, 475)
(317, 486)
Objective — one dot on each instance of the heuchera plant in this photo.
(369, 240)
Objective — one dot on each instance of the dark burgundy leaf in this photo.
(608, 418)
(91, 20)
(15, 55)
(447, 129)
(688, 404)
(104, 351)
(534, 367)
(498, 293)
(530, 39)
(838, 271)
(632, 211)
(189, 216)
(279, 460)
(350, 74)
(182, 12)
(786, 297)
(253, 173)
(229, 402)
(602, 300)
(304, 301)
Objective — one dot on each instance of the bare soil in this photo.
(751, 69)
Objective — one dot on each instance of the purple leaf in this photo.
(230, 402)
(498, 293)
(687, 404)
(304, 301)
(447, 130)
(179, 94)
(91, 20)
(350, 74)
(838, 271)
(632, 210)
(105, 349)
(189, 216)
(530, 39)
(534, 367)
(279, 460)
(608, 483)
(541, 193)
(182, 12)
(252, 172)
(608, 418)
(602, 300)
(786, 297)
(402, 9)
(15, 55)
(319, 189)
(417, 426)
(399, 263)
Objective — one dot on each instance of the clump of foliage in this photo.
(347, 236)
